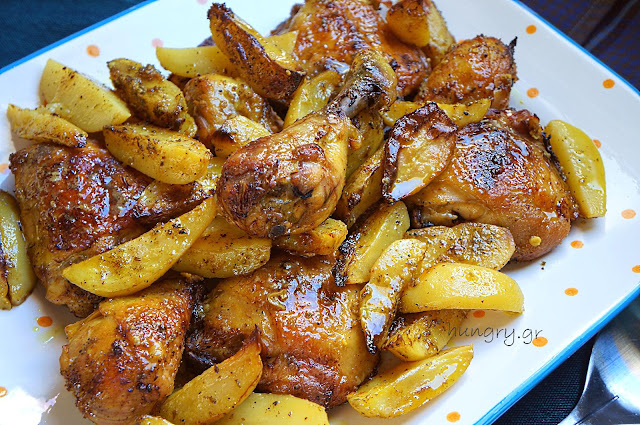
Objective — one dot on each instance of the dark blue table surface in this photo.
(609, 28)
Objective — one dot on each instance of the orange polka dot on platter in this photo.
(598, 143)
(533, 92)
(3, 168)
(45, 321)
(572, 292)
(93, 50)
(540, 341)
(628, 214)
(478, 313)
(156, 42)
(608, 83)
(453, 417)
(3, 391)
(531, 29)
(636, 269)
(577, 244)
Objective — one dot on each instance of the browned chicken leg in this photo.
(291, 181)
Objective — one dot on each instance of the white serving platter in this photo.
(570, 84)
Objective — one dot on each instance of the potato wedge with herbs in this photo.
(416, 336)
(39, 125)
(275, 409)
(391, 273)
(460, 113)
(218, 390)
(224, 250)
(582, 165)
(135, 265)
(441, 39)
(150, 96)
(312, 95)
(18, 279)
(267, 68)
(383, 225)
(408, 386)
(407, 19)
(362, 189)
(323, 240)
(162, 154)
(462, 286)
(91, 106)
(370, 125)
(418, 149)
(234, 133)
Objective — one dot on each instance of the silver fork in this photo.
(612, 393)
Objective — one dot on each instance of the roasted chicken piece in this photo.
(501, 174)
(313, 346)
(121, 361)
(475, 69)
(74, 203)
(332, 32)
(290, 182)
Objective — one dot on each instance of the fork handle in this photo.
(612, 412)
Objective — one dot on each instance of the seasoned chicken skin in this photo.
(501, 174)
(313, 346)
(122, 360)
(332, 32)
(74, 203)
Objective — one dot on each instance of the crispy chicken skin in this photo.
(122, 360)
(332, 32)
(501, 174)
(74, 203)
(482, 67)
(290, 182)
(313, 346)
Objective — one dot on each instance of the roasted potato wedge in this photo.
(418, 149)
(441, 39)
(370, 125)
(390, 274)
(224, 250)
(152, 420)
(218, 390)
(408, 386)
(39, 125)
(267, 68)
(312, 95)
(234, 133)
(462, 286)
(383, 225)
(582, 165)
(162, 154)
(134, 265)
(150, 96)
(416, 336)
(362, 189)
(460, 113)
(323, 240)
(17, 278)
(407, 19)
(91, 106)
(275, 409)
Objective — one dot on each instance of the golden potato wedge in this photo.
(460, 113)
(150, 96)
(407, 19)
(312, 95)
(390, 274)
(408, 386)
(582, 165)
(419, 148)
(5, 298)
(323, 240)
(224, 250)
(91, 105)
(262, 64)
(162, 154)
(477, 244)
(383, 225)
(275, 409)
(416, 336)
(39, 125)
(362, 189)
(218, 390)
(441, 39)
(370, 125)
(462, 286)
(152, 420)
(134, 265)
(18, 272)
(234, 133)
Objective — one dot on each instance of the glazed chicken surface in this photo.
(313, 346)
(74, 203)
